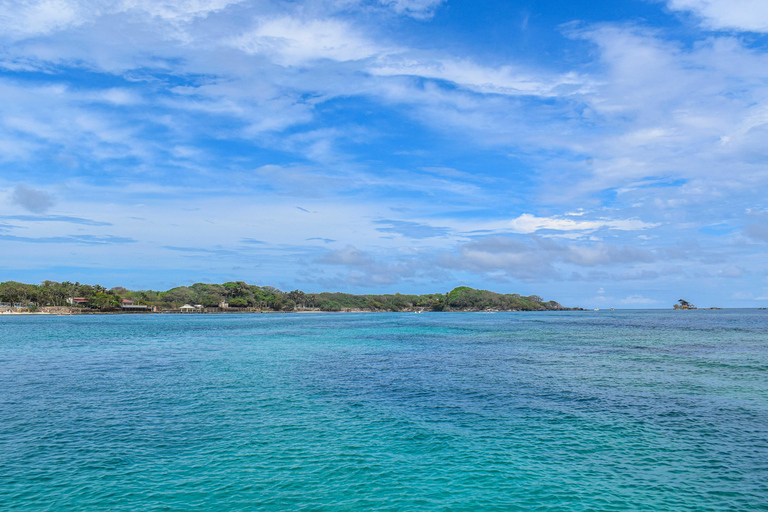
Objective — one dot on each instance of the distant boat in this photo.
(597, 309)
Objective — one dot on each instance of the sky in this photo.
(599, 153)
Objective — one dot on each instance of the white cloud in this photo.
(62, 119)
(350, 255)
(116, 96)
(666, 107)
(527, 223)
(291, 41)
(637, 300)
(182, 10)
(25, 18)
(415, 8)
(744, 15)
(502, 80)
(29, 17)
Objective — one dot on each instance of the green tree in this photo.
(330, 305)
(178, 296)
(15, 293)
(298, 297)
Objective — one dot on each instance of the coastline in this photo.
(78, 312)
(231, 311)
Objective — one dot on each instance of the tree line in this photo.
(240, 295)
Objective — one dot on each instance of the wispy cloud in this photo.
(637, 300)
(71, 239)
(55, 218)
(200, 250)
(415, 230)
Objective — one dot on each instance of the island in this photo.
(237, 296)
(684, 304)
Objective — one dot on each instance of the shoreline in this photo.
(305, 311)
(66, 311)
(300, 312)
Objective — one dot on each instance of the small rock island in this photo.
(684, 304)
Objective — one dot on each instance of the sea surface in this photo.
(608, 410)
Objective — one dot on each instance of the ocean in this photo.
(608, 410)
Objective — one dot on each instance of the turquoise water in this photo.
(622, 410)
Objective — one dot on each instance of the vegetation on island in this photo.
(240, 296)
(684, 304)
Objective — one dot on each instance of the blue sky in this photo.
(597, 153)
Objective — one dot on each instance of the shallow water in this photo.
(610, 410)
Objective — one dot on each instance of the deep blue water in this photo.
(610, 410)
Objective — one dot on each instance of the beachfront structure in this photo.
(137, 307)
(128, 305)
(186, 308)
